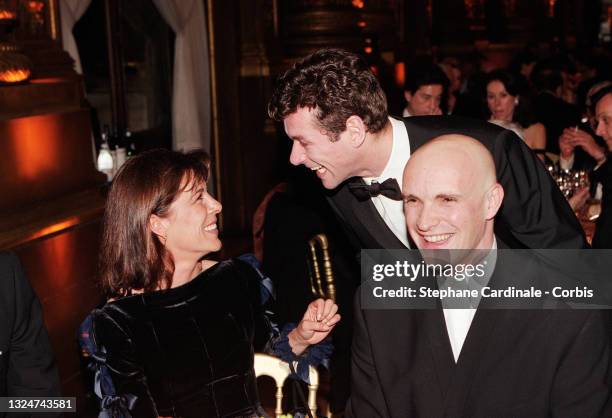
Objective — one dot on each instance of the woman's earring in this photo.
(516, 101)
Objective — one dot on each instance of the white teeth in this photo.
(316, 168)
(437, 238)
(211, 227)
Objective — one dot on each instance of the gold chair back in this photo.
(278, 370)
(320, 266)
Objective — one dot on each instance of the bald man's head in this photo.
(451, 194)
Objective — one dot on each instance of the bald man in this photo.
(473, 363)
(452, 172)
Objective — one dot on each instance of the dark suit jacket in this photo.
(27, 367)
(603, 232)
(513, 363)
(534, 213)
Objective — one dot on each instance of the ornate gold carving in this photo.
(319, 245)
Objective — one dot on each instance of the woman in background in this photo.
(178, 333)
(511, 110)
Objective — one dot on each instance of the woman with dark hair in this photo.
(177, 335)
(510, 109)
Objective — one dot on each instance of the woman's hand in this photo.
(319, 319)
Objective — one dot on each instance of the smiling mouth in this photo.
(319, 169)
(211, 227)
(436, 238)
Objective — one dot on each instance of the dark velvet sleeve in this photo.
(31, 369)
(263, 332)
(534, 213)
(121, 360)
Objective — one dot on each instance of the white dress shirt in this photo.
(392, 211)
(458, 321)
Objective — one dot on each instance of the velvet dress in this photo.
(187, 351)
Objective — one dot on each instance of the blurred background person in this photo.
(602, 101)
(452, 70)
(580, 147)
(425, 89)
(27, 365)
(509, 107)
(550, 109)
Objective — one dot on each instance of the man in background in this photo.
(27, 366)
(425, 89)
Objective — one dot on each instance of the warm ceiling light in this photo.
(358, 3)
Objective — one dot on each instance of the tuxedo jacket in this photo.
(27, 365)
(534, 213)
(513, 363)
(603, 232)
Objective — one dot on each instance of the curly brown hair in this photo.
(131, 256)
(337, 84)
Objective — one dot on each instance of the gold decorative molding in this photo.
(54, 20)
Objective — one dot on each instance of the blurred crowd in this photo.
(544, 93)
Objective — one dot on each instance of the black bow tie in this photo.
(388, 188)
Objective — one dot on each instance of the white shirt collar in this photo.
(400, 153)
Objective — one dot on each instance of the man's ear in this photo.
(356, 130)
(159, 226)
(407, 96)
(494, 199)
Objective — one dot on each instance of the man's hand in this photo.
(579, 138)
(579, 198)
(566, 143)
(319, 319)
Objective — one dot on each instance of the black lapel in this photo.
(441, 351)
(363, 218)
(478, 341)
(417, 134)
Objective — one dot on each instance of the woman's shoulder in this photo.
(535, 136)
(242, 274)
(537, 127)
(243, 267)
(118, 312)
(223, 276)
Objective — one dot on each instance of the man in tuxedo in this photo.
(602, 101)
(335, 112)
(474, 362)
(27, 367)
